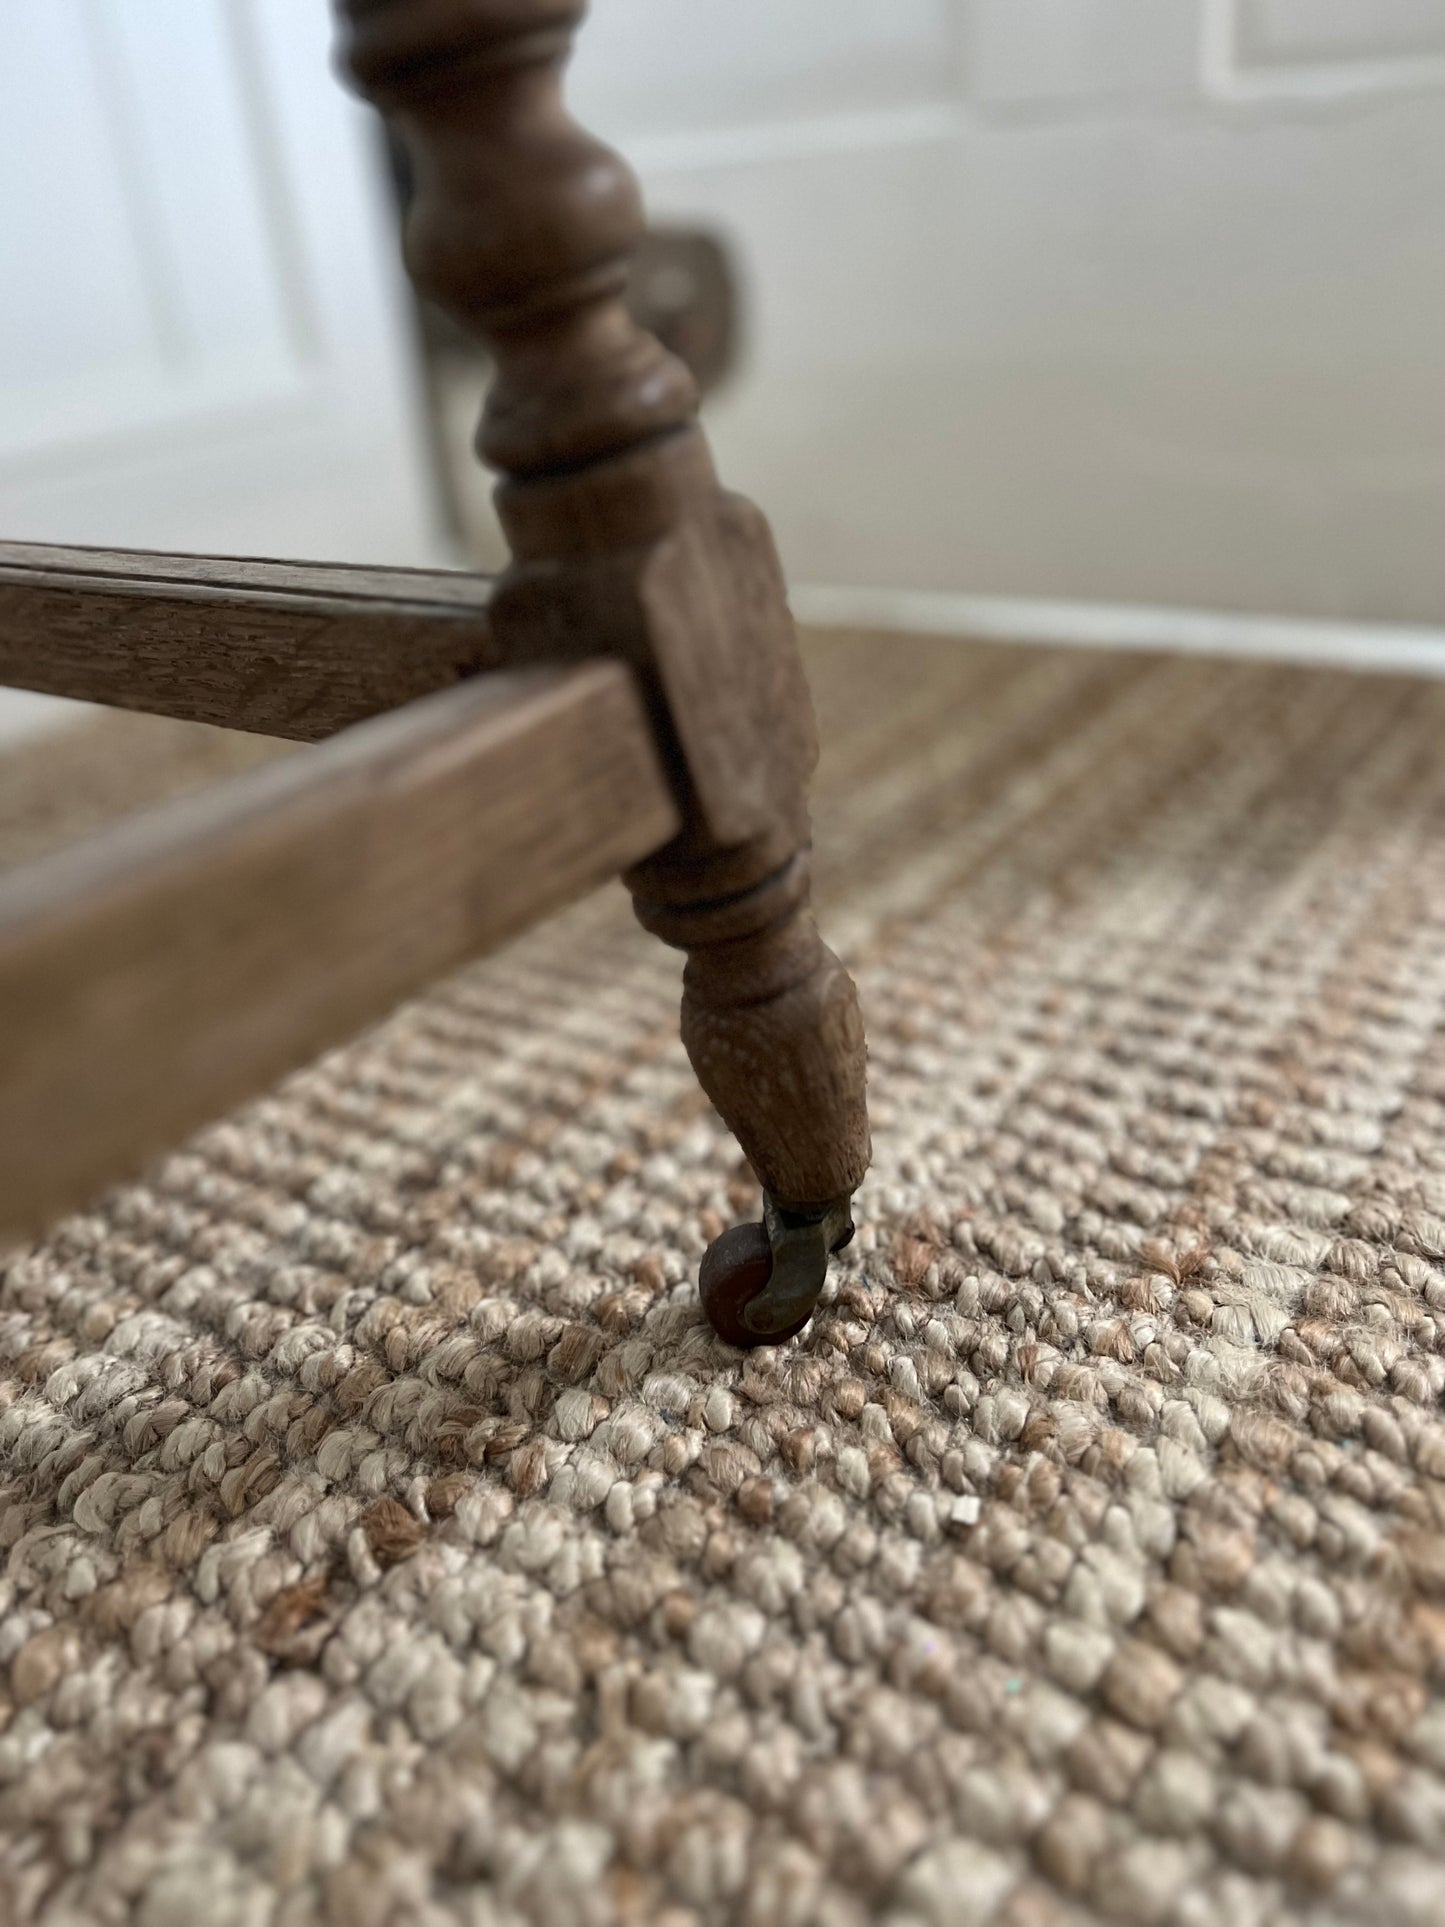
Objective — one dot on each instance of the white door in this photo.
(1131, 300)
(202, 328)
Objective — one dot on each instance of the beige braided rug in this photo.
(390, 1544)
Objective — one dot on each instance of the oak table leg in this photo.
(523, 226)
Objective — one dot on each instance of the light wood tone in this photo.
(281, 648)
(159, 972)
(523, 226)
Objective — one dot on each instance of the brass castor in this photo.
(760, 1283)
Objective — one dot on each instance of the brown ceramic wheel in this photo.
(735, 1268)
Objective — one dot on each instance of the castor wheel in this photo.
(735, 1270)
(760, 1283)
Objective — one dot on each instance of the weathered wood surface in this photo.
(161, 971)
(281, 648)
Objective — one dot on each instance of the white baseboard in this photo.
(1413, 648)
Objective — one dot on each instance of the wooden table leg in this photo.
(523, 226)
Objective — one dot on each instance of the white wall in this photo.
(203, 337)
(1135, 300)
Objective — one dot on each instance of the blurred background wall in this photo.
(204, 340)
(1130, 299)
(1140, 301)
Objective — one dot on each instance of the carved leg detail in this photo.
(622, 542)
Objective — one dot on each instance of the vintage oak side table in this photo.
(625, 697)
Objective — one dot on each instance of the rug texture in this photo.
(390, 1543)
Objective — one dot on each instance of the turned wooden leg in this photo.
(622, 542)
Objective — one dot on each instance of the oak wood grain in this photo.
(281, 648)
(163, 970)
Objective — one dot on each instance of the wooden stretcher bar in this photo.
(281, 648)
(158, 972)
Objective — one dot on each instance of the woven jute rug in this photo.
(390, 1543)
